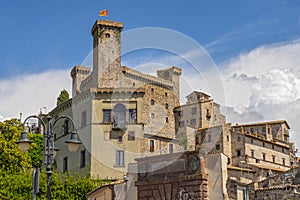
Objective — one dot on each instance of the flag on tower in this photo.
(103, 13)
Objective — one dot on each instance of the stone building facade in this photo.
(200, 111)
(174, 176)
(120, 113)
(263, 146)
(255, 152)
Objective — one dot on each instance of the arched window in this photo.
(166, 106)
(152, 102)
(107, 35)
(119, 116)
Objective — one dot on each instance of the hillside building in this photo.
(200, 111)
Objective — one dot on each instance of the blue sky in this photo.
(254, 44)
(40, 35)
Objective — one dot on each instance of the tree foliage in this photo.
(36, 150)
(16, 169)
(12, 160)
(63, 96)
(18, 186)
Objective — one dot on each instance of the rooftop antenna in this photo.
(41, 110)
(44, 107)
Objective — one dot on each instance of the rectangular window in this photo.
(264, 156)
(152, 102)
(152, 115)
(83, 119)
(132, 116)
(131, 135)
(193, 110)
(193, 121)
(273, 158)
(208, 113)
(120, 139)
(208, 138)
(65, 164)
(170, 148)
(82, 159)
(227, 137)
(218, 147)
(66, 126)
(106, 115)
(197, 139)
(181, 124)
(238, 152)
(283, 161)
(252, 153)
(151, 146)
(180, 113)
(120, 158)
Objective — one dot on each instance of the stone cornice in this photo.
(134, 74)
(106, 23)
(61, 107)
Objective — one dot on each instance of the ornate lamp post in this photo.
(48, 146)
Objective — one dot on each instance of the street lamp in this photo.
(49, 150)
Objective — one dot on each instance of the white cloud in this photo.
(278, 86)
(27, 94)
(264, 84)
(1, 118)
(262, 59)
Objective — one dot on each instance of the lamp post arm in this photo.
(44, 131)
(65, 117)
(37, 117)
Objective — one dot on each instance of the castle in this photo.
(120, 113)
(124, 116)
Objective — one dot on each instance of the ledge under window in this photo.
(119, 166)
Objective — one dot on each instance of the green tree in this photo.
(16, 169)
(63, 96)
(12, 160)
(36, 149)
(18, 186)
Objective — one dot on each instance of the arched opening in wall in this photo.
(107, 35)
(119, 116)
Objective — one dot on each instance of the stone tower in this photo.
(78, 74)
(106, 47)
(172, 74)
